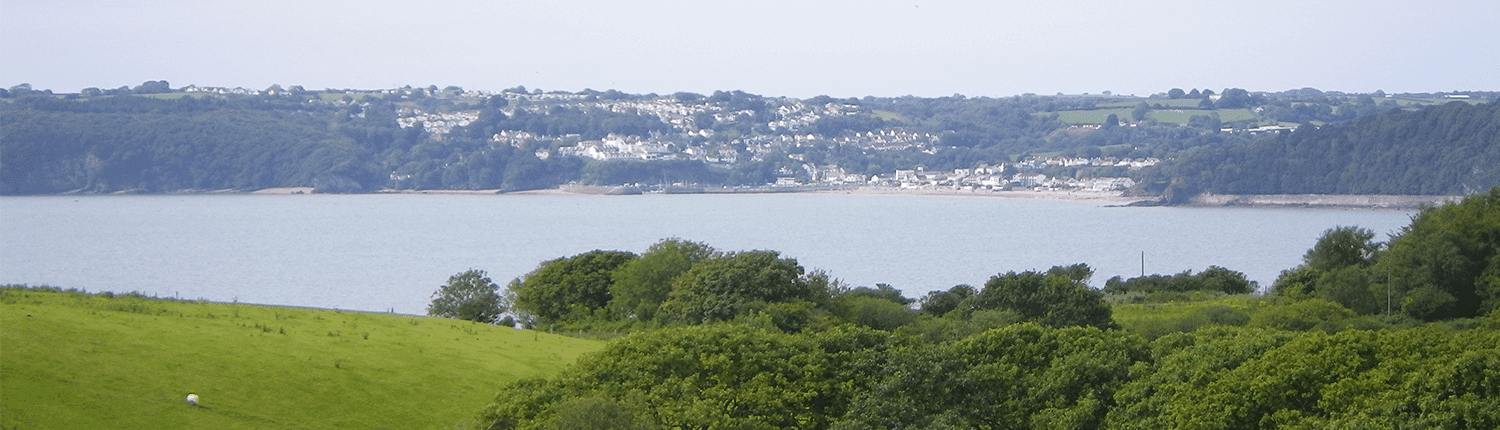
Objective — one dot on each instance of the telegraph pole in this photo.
(1387, 296)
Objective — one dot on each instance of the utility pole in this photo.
(1143, 264)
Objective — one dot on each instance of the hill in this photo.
(156, 139)
(73, 360)
(1446, 150)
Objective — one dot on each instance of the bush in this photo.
(1305, 315)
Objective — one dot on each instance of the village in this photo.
(792, 117)
(790, 129)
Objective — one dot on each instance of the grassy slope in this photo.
(78, 361)
(1137, 316)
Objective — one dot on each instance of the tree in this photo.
(153, 87)
(1341, 247)
(1446, 264)
(939, 303)
(1059, 298)
(641, 285)
(1111, 121)
(1335, 269)
(570, 288)
(719, 289)
(1139, 113)
(467, 296)
(1227, 281)
(1176, 93)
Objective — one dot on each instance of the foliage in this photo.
(467, 296)
(1434, 151)
(717, 289)
(1341, 247)
(570, 288)
(939, 303)
(641, 285)
(1058, 298)
(1250, 378)
(1446, 264)
(1214, 278)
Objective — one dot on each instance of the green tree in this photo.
(641, 285)
(1341, 247)
(1176, 93)
(1446, 264)
(1060, 297)
(1217, 278)
(1139, 113)
(718, 289)
(571, 288)
(467, 296)
(939, 303)
(876, 313)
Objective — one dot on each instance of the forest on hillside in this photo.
(1453, 149)
(751, 340)
(158, 139)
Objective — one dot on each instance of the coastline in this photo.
(1112, 198)
(1330, 201)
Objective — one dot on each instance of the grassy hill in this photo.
(70, 360)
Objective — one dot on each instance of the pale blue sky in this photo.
(769, 47)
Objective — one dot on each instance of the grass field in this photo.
(1168, 103)
(71, 360)
(1178, 116)
(1145, 318)
(1181, 116)
(1090, 116)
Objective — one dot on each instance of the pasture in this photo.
(70, 360)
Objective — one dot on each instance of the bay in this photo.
(389, 252)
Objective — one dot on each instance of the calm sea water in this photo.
(390, 252)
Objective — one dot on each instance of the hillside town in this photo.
(793, 119)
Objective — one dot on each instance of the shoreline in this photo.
(1111, 198)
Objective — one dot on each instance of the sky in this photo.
(797, 49)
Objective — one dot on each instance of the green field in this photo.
(70, 360)
(1151, 318)
(1096, 116)
(1166, 103)
(1181, 116)
(1178, 116)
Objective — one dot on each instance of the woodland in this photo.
(710, 339)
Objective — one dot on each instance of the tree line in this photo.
(752, 340)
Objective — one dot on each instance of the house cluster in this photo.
(1277, 128)
(616, 147)
(890, 140)
(221, 90)
(984, 177)
(796, 116)
(1130, 163)
(436, 123)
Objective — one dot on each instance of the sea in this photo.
(390, 252)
